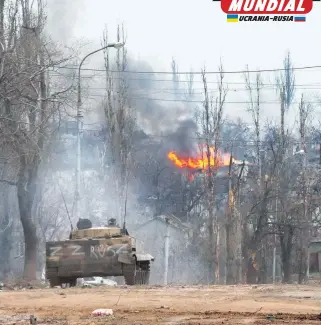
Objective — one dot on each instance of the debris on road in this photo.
(96, 281)
(102, 312)
(14, 319)
(33, 320)
(270, 317)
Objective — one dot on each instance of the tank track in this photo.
(136, 274)
(51, 275)
(56, 281)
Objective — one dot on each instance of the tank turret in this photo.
(84, 224)
(112, 222)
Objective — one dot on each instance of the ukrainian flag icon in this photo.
(232, 18)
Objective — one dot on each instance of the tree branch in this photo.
(8, 182)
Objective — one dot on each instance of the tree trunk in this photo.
(29, 231)
(6, 233)
(238, 234)
(233, 243)
(252, 265)
(286, 263)
(230, 279)
(304, 236)
(262, 274)
(286, 250)
(246, 241)
(231, 268)
(217, 253)
(233, 249)
(211, 242)
(5, 247)
(26, 192)
(28, 176)
(302, 261)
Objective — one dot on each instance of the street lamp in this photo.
(79, 116)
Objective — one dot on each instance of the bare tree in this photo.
(286, 81)
(210, 119)
(175, 77)
(28, 109)
(254, 109)
(255, 245)
(121, 123)
(286, 89)
(190, 86)
(286, 223)
(304, 219)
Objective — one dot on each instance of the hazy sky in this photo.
(196, 34)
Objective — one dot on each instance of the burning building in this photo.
(209, 160)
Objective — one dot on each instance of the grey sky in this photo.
(196, 33)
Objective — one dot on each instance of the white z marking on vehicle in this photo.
(76, 249)
(120, 249)
(55, 250)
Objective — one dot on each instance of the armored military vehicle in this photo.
(102, 251)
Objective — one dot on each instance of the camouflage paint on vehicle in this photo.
(114, 256)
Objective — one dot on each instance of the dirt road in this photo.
(165, 305)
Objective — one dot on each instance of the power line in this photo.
(196, 73)
(185, 91)
(55, 74)
(201, 101)
(222, 141)
(178, 81)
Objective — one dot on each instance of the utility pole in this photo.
(274, 248)
(79, 117)
(217, 269)
(229, 249)
(166, 255)
(306, 221)
(233, 237)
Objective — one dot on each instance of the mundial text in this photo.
(267, 5)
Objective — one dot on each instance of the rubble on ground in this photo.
(21, 284)
(102, 312)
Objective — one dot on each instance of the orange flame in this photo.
(202, 161)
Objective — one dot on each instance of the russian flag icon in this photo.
(299, 19)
